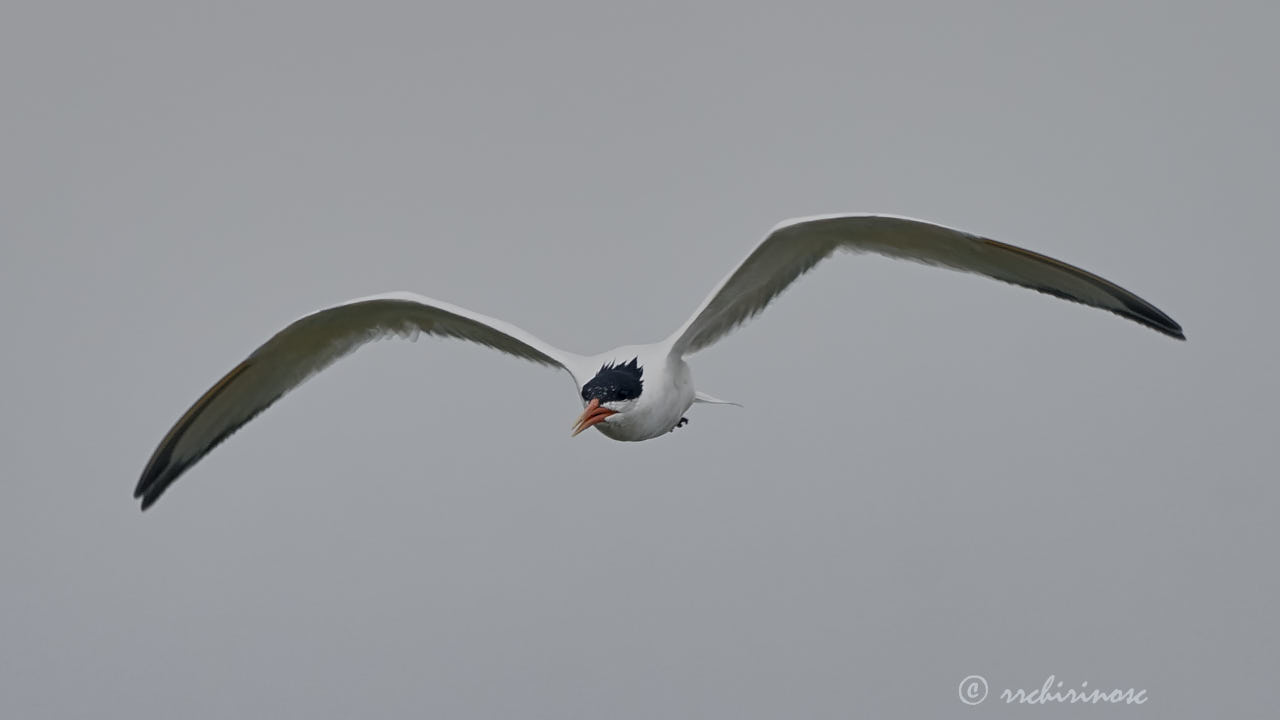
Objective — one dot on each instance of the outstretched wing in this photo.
(795, 246)
(309, 345)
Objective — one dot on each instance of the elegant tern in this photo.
(634, 392)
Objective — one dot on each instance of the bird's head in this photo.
(615, 389)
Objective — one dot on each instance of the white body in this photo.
(314, 341)
(668, 393)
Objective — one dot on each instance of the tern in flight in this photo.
(635, 392)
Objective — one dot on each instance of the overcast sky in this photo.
(934, 475)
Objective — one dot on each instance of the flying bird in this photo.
(634, 392)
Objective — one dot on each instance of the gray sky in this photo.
(934, 476)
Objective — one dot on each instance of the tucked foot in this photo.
(683, 421)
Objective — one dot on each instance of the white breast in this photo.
(668, 393)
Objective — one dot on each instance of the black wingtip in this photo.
(146, 490)
(149, 500)
(1147, 314)
(152, 486)
(1163, 326)
(1143, 312)
(162, 469)
(154, 483)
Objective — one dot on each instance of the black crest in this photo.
(616, 382)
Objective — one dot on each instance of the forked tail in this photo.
(701, 397)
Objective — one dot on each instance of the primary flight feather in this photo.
(634, 392)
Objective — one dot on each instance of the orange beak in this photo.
(592, 415)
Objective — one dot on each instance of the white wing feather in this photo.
(796, 246)
(309, 345)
